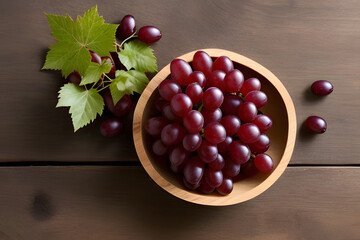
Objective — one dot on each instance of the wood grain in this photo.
(299, 41)
(124, 203)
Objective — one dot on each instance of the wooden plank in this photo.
(123, 203)
(300, 42)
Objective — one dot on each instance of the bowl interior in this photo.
(243, 188)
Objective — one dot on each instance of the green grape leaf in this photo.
(76, 38)
(84, 104)
(94, 71)
(127, 82)
(139, 56)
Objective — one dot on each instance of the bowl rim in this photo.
(210, 199)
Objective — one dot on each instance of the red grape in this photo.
(192, 141)
(213, 98)
(111, 127)
(194, 170)
(95, 58)
(202, 62)
(159, 148)
(123, 107)
(172, 134)
(239, 152)
(195, 92)
(259, 98)
(169, 115)
(226, 186)
(249, 133)
(110, 74)
(231, 124)
(263, 162)
(178, 155)
(263, 122)
(248, 168)
(207, 151)
(149, 34)
(160, 104)
(211, 116)
(250, 85)
(74, 77)
(218, 163)
(191, 186)
(155, 125)
(205, 187)
(181, 104)
(234, 81)
(213, 178)
(322, 87)
(247, 111)
(180, 71)
(127, 27)
(231, 169)
(315, 124)
(223, 147)
(197, 77)
(261, 145)
(215, 133)
(224, 64)
(216, 79)
(168, 88)
(231, 105)
(193, 121)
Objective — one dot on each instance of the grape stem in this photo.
(200, 107)
(121, 45)
(102, 88)
(241, 96)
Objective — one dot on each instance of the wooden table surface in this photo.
(55, 184)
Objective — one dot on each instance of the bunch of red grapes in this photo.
(126, 30)
(210, 125)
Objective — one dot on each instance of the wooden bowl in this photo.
(279, 108)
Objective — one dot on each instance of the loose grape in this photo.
(316, 124)
(322, 87)
(127, 27)
(111, 127)
(149, 34)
